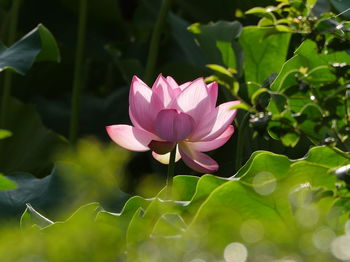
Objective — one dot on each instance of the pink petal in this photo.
(194, 100)
(173, 125)
(184, 85)
(161, 147)
(130, 137)
(164, 90)
(143, 105)
(171, 81)
(213, 93)
(133, 119)
(215, 123)
(164, 159)
(197, 160)
(213, 144)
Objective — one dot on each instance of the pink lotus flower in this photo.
(170, 115)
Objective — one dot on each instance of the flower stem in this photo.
(170, 174)
(6, 93)
(77, 84)
(154, 46)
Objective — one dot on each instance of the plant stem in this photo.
(170, 174)
(8, 75)
(77, 82)
(154, 46)
(347, 107)
(240, 141)
(6, 93)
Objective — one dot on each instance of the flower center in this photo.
(173, 125)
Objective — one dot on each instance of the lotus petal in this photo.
(215, 122)
(213, 93)
(194, 100)
(196, 160)
(143, 105)
(204, 146)
(164, 159)
(130, 137)
(171, 81)
(165, 91)
(173, 125)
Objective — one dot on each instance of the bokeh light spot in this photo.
(235, 252)
(322, 238)
(340, 247)
(198, 260)
(264, 183)
(347, 227)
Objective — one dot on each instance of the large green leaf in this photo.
(217, 41)
(31, 146)
(263, 196)
(276, 165)
(263, 55)
(44, 193)
(60, 190)
(239, 203)
(184, 187)
(37, 45)
(123, 218)
(31, 217)
(326, 157)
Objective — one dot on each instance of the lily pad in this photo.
(38, 45)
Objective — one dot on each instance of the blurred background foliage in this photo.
(287, 61)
